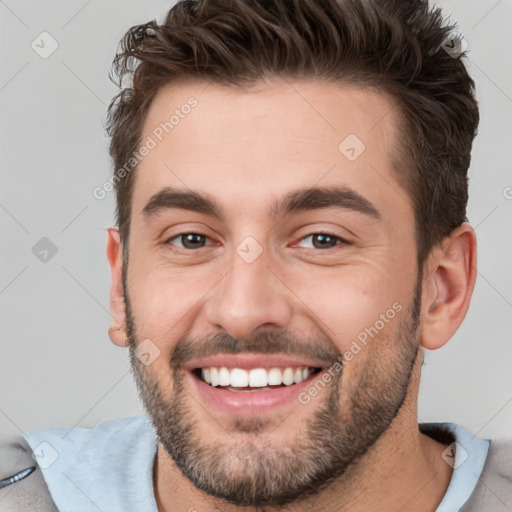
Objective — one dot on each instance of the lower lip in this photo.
(251, 403)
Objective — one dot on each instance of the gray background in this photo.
(57, 365)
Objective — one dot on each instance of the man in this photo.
(291, 183)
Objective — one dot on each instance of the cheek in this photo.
(158, 303)
(165, 301)
(351, 304)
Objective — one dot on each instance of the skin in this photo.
(232, 147)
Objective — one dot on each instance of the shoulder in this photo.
(108, 435)
(63, 455)
(494, 488)
(22, 484)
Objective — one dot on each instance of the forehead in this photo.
(311, 114)
(251, 146)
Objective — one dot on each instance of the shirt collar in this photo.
(466, 455)
(85, 468)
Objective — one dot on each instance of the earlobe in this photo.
(449, 283)
(117, 330)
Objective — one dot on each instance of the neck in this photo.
(402, 471)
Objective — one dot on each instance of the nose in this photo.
(249, 296)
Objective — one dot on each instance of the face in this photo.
(271, 283)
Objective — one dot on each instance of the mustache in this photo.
(265, 342)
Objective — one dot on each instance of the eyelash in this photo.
(341, 241)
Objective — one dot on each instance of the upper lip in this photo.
(248, 361)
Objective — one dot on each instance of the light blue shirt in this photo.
(110, 467)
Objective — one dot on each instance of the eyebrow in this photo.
(294, 202)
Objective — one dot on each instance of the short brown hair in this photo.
(394, 46)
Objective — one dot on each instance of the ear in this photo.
(448, 284)
(117, 330)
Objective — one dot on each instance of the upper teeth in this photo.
(255, 378)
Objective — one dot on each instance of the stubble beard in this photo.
(250, 470)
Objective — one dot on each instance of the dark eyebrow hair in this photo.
(324, 197)
(169, 198)
(295, 201)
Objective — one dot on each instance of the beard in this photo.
(251, 471)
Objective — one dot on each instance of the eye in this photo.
(324, 240)
(188, 240)
(192, 241)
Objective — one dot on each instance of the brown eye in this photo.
(323, 240)
(188, 240)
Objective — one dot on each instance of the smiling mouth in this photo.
(241, 380)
